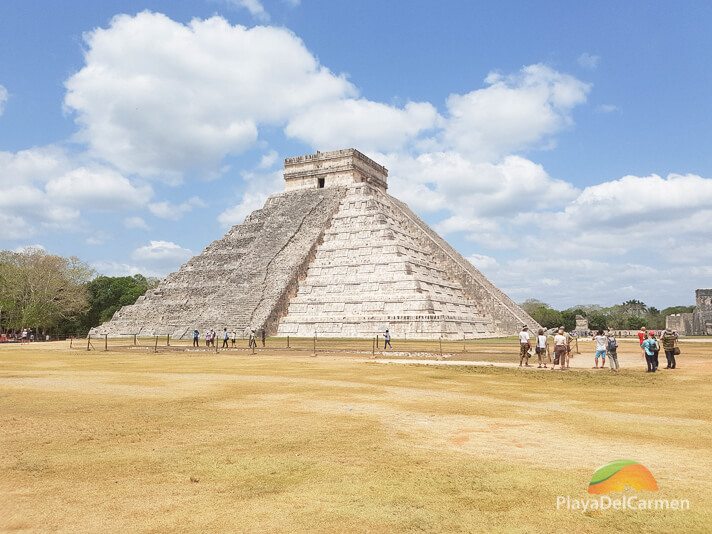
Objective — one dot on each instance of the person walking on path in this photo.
(233, 338)
(612, 350)
(669, 340)
(642, 336)
(541, 348)
(196, 338)
(253, 340)
(560, 348)
(387, 340)
(263, 335)
(651, 347)
(601, 342)
(226, 337)
(524, 346)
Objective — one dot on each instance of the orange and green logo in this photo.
(621, 474)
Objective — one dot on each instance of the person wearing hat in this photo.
(669, 338)
(524, 346)
(651, 348)
(642, 335)
(560, 349)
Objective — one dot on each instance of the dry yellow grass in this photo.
(130, 441)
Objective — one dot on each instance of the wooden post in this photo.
(287, 341)
(88, 342)
(71, 339)
(168, 340)
(106, 342)
(377, 345)
(155, 348)
(135, 340)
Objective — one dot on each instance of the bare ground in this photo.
(275, 442)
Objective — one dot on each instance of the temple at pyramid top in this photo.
(337, 168)
(333, 255)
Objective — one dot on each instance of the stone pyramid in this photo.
(333, 255)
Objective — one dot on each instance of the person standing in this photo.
(233, 338)
(612, 350)
(387, 340)
(560, 348)
(226, 337)
(541, 348)
(669, 339)
(207, 337)
(650, 346)
(601, 342)
(252, 342)
(642, 336)
(524, 346)
(196, 337)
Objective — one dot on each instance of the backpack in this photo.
(612, 345)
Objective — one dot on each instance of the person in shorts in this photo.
(601, 343)
(541, 349)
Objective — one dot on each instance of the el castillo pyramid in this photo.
(332, 255)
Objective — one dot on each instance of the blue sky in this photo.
(564, 149)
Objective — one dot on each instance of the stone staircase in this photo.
(241, 281)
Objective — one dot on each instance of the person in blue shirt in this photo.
(651, 348)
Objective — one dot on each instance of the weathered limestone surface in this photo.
(242, 280)
(697, 323)
(334, 255)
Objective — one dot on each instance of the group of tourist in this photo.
(229, 339)
(606, 346)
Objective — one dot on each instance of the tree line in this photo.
(629, 315)
(63, 296)
(60, 296)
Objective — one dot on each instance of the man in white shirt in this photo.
(601, 342)
(524, 346)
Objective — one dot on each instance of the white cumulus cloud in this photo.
(160, 257)
(255, 7)
(362, 123)
(161, 98)
(514, 113)
(174, 212)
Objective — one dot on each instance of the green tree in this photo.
(542, 313)
(568, 317)
(40, 290)
(677, 309)
(109, 293)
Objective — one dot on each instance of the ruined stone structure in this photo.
(333, 255)
(581, 326)
(697, 323)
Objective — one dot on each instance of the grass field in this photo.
(131, 441)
